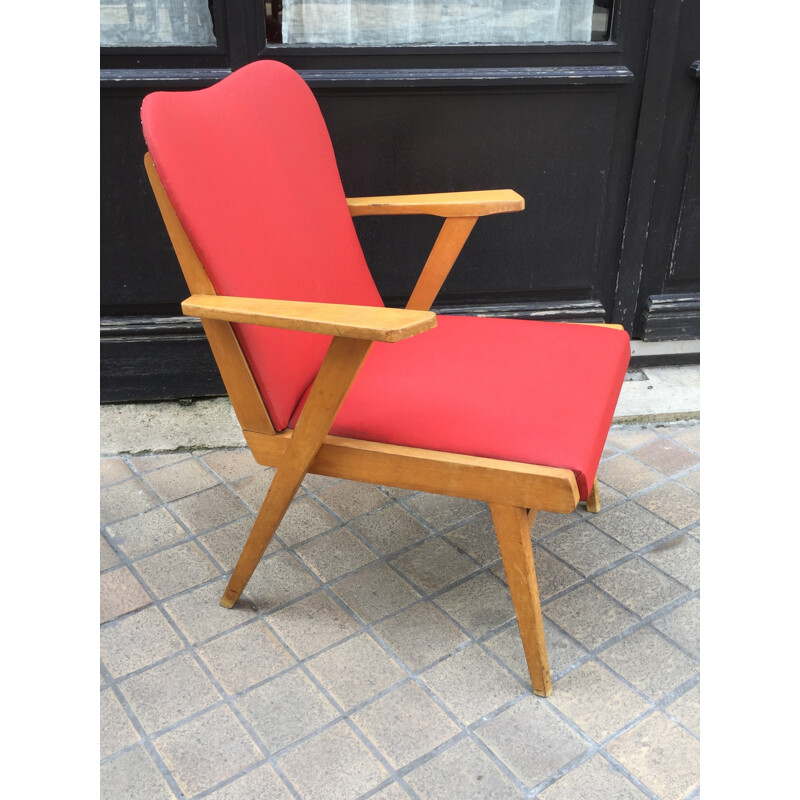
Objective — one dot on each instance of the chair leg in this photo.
(512, 527)
(341, 364)
(593, 500)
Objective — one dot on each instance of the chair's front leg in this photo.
(512, 527)
(340, 367)
(593, 500)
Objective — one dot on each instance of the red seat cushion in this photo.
(534, 392)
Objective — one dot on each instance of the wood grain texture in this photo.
(340, 366)
(443, 204)
(593, 500)
(374, 323)
(472, 477)
(512, 527)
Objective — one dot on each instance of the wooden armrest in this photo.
(375, 323)
(446, 204)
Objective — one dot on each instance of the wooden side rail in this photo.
(374, 323)
(444, 204)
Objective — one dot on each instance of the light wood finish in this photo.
(193, 270)
(245, 397)
(599, 325)
(487, 479)
(340, 366)
(512, 526)
(443, 204)
(593, 500)
(445, 251)
(376, 324)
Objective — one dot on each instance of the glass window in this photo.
(153, 23)
(393, 22)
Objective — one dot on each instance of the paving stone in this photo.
(208, 509)
(405, 724)
(442, 512)
(253, 489)
(278, 580)
(595, 779)
(113, 470)
(355, 671)
(146, 533)
(312, 624)
(632, 525)
(175, 569)
(691, 480)
(688, 437)
(461, 771)
(116, 730)
(334, 554)
(627, 475)
(661, 755)
(181, 479)
(245, 656)
(680, 558)
(626, 437)
(392, 792)
(262, 783)
(120, 593)
(682, 625)
(207, 750)
(226, 543)
(125, 499)
(479, 605)
(599, 703)
(352, 499)
(477, 539)
(665, 456)
(585, 548)
(390, 529)
(562, 652)
(588, 616)
(108, 557)
(531, 740)
(375, 592)
(148, 462)
(136, 641)
(199, 615)
(549, 521)
(651, 663)
(676, 504)
(333, 765)
(420, 635)
(286, 709)
(315, 483)
(168, 692)
(304, 518)
(471, 684)
(231, 465)
(552, 575)
(686, 709)
(434, 564)
(639, 586)
(133, 776)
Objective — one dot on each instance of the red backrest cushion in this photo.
(249, 168)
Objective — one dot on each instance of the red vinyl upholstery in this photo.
(260, 197)
(536, 392)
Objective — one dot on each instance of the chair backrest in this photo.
(249, 168)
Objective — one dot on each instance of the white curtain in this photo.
(385, 22)
(127, 23)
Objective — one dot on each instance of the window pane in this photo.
(387, 22)
(148, 23)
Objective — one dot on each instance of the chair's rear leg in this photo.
(512, 527)
(593, 500)
(341, 364)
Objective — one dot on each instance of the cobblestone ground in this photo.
(375, 652)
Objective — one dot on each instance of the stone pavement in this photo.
(375, 653)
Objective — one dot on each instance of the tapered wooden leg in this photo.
(512, 527)
(593, 500)
(340, 367)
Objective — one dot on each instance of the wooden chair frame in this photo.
(514, 491)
